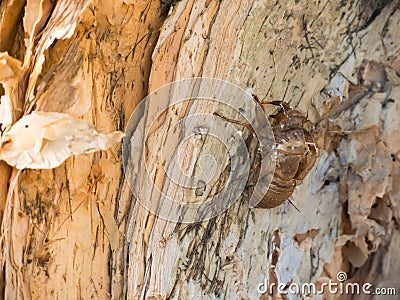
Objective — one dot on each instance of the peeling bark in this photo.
(77, 232)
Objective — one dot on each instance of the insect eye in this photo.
(26, 126)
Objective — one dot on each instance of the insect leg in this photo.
(247, 125)
(283, 105)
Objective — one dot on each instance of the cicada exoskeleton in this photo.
(295, 152)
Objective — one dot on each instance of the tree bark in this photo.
(77, 231)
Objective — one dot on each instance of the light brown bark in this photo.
(77, 231)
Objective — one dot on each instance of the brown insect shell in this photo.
(295, 155)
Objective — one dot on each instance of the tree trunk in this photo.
(78, 231)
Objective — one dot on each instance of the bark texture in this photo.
(77, 232)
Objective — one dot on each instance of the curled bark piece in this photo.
(10, 73)
(10, 69)
(44, 140)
